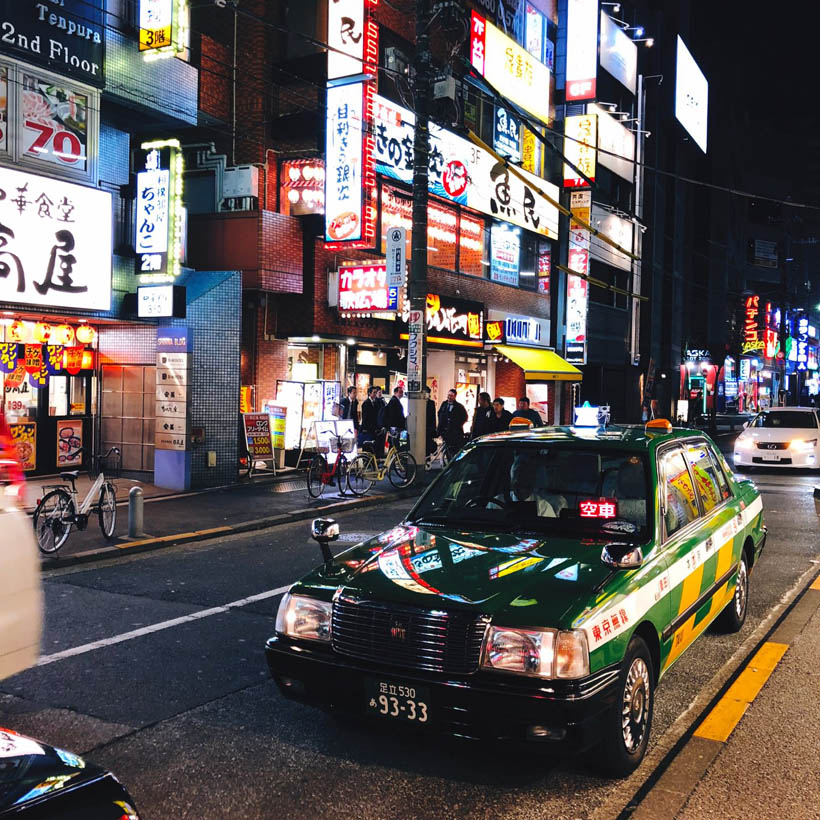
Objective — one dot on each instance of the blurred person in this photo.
(525, 411)
(483, 416)
(451, 418)
(501, 418)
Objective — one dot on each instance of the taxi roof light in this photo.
(659, 425)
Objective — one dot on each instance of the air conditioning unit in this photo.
(241, 181)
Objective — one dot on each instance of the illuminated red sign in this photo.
(598, 508)
(364, 288)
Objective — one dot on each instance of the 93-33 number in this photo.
(390, 705)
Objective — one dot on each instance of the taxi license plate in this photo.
(400, 701)
(771, 456)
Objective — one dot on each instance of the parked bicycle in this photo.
(320, 473)
(58, 510)
(441, 455)
(399, 466)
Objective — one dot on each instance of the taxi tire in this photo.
(637, 682)
(729, 620)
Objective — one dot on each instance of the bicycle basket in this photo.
(109, 464)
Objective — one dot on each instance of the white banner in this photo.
(616, 143)
(343, 180)
(55, 243)
(345, 33)
(691, 96)
(619, 54)
(462, 172)
(582, 49)
(618, 230)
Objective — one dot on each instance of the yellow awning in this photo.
(541, 365)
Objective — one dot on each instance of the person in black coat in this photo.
(524, 410)
(483, 416)
(394, 412)
(350, 407)
(367, 428)
(451, 417)
(501, 417)
(431, 421)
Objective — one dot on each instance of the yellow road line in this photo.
(721, 721)
(816, 584)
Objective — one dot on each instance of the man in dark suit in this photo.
(451, 418)
(431, 421)
(367, 429)
(501, 417)
(350, 407)
(394, 412)
(483, 416)
(525, 411)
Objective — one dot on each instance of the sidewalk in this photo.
(754, 755)
(253, 504)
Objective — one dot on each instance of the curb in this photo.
(817, 491)
(666, 794)
(149, 544)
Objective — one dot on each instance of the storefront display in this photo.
(305, 402)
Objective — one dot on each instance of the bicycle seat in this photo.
(70, 475)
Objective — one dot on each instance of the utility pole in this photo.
(417, 280)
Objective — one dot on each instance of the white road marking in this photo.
(147, 630)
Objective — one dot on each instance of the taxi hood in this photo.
(435, 566)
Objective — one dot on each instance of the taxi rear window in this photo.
(555, 487)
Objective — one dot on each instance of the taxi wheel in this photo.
(630, 720)
(734, 615)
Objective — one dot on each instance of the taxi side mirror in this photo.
(622, 556)
(325, 530)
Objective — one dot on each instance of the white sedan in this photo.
(780, 437)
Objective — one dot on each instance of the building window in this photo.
(613, 277)
(471, 245)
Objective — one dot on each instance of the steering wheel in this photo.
(475, 501)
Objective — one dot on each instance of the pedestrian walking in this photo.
(380, 406)
(525, 411)
(501, 417)
(430, 427)
(350, 407)
(483, 416)
(367, 429)
(394, 412)
(451, 417)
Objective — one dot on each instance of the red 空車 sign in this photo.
(598, 508)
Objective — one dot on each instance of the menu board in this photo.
(278, 423)
(258, 435)
(69, 441)
(291, 396)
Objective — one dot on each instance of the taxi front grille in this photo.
(429, 640)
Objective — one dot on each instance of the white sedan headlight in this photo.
(801, 446)
(744, 443)
(304, 618)
(543, 653)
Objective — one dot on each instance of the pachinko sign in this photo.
(462, 172)
(363, 288)
(753, 338)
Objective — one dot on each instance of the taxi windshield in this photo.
(561, 488)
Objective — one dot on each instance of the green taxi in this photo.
(538, 591)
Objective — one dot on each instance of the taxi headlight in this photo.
(304, 618)
(802, 446)
(543, 653)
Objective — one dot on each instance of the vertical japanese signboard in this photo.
(55, 243)
(350, 180)
(159, 214)
(396, 256)
(582, 49)
(577, 286)
(173, 381)
(415, 350)
(753, 337)
(580, 140)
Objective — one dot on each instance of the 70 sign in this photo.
(49, 142)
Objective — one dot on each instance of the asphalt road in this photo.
(186, 715)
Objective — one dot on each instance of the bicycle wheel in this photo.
(402, 472)
(360, 473)
(107, 510)
(341, 473)
(318, 467)
(52, 520)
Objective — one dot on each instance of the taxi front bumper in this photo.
(482, 706)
